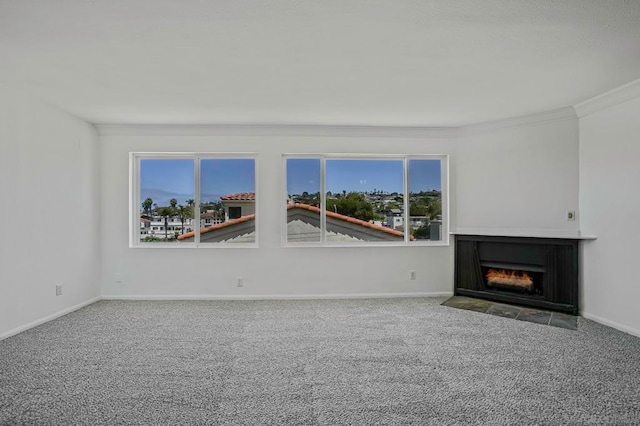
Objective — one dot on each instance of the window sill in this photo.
(367, 245)
(155, 246)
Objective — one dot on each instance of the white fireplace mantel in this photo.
(526, 233)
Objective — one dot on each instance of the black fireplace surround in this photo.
(550, 263)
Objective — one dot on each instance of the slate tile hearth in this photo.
(538, 316)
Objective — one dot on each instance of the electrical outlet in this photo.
(240, 282)
(412, 274)
(118, 278)
(58, 289)
(571, 215)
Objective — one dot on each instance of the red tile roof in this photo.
(217, 226)
(348, 219)
(241, 196)
(314, 209)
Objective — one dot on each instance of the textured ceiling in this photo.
(347, 62)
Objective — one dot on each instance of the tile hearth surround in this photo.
(555, 319)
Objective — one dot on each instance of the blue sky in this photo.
(303, 174)
(364, 175)
(227, 176)
(172, 178)
(162, 180)
(425, 175)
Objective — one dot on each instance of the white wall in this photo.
(547, 185)
(270, 269)
(610, 206)
(49, 212)
(523, 177)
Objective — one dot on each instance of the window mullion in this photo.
(406, 201)
(323, 201)
(196, 207)
(137, 203)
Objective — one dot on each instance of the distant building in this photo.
(239, 205)
(395, 219)
(145, 226)
(154, 227)
(209, 218)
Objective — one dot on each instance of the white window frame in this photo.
(135, 202)
(406, 242)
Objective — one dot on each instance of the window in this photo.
(380, 200)
(193, 200)
(235, 212)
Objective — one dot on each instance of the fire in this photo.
(502, 277)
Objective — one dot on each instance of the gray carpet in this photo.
(328, 362)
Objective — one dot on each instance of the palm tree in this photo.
(173, 202)
(146, 206)
(184, 213)
(166, 212)
(434, 209)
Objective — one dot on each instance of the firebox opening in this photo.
(512, 280)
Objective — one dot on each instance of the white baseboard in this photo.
(611, 324)
(41, 321)
(275, 296)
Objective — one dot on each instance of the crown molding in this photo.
(273, 130)
(524, 120)
(300, 130)
(608, 99)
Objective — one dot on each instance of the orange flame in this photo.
(512, 278)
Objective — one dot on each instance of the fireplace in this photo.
(536, 272)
